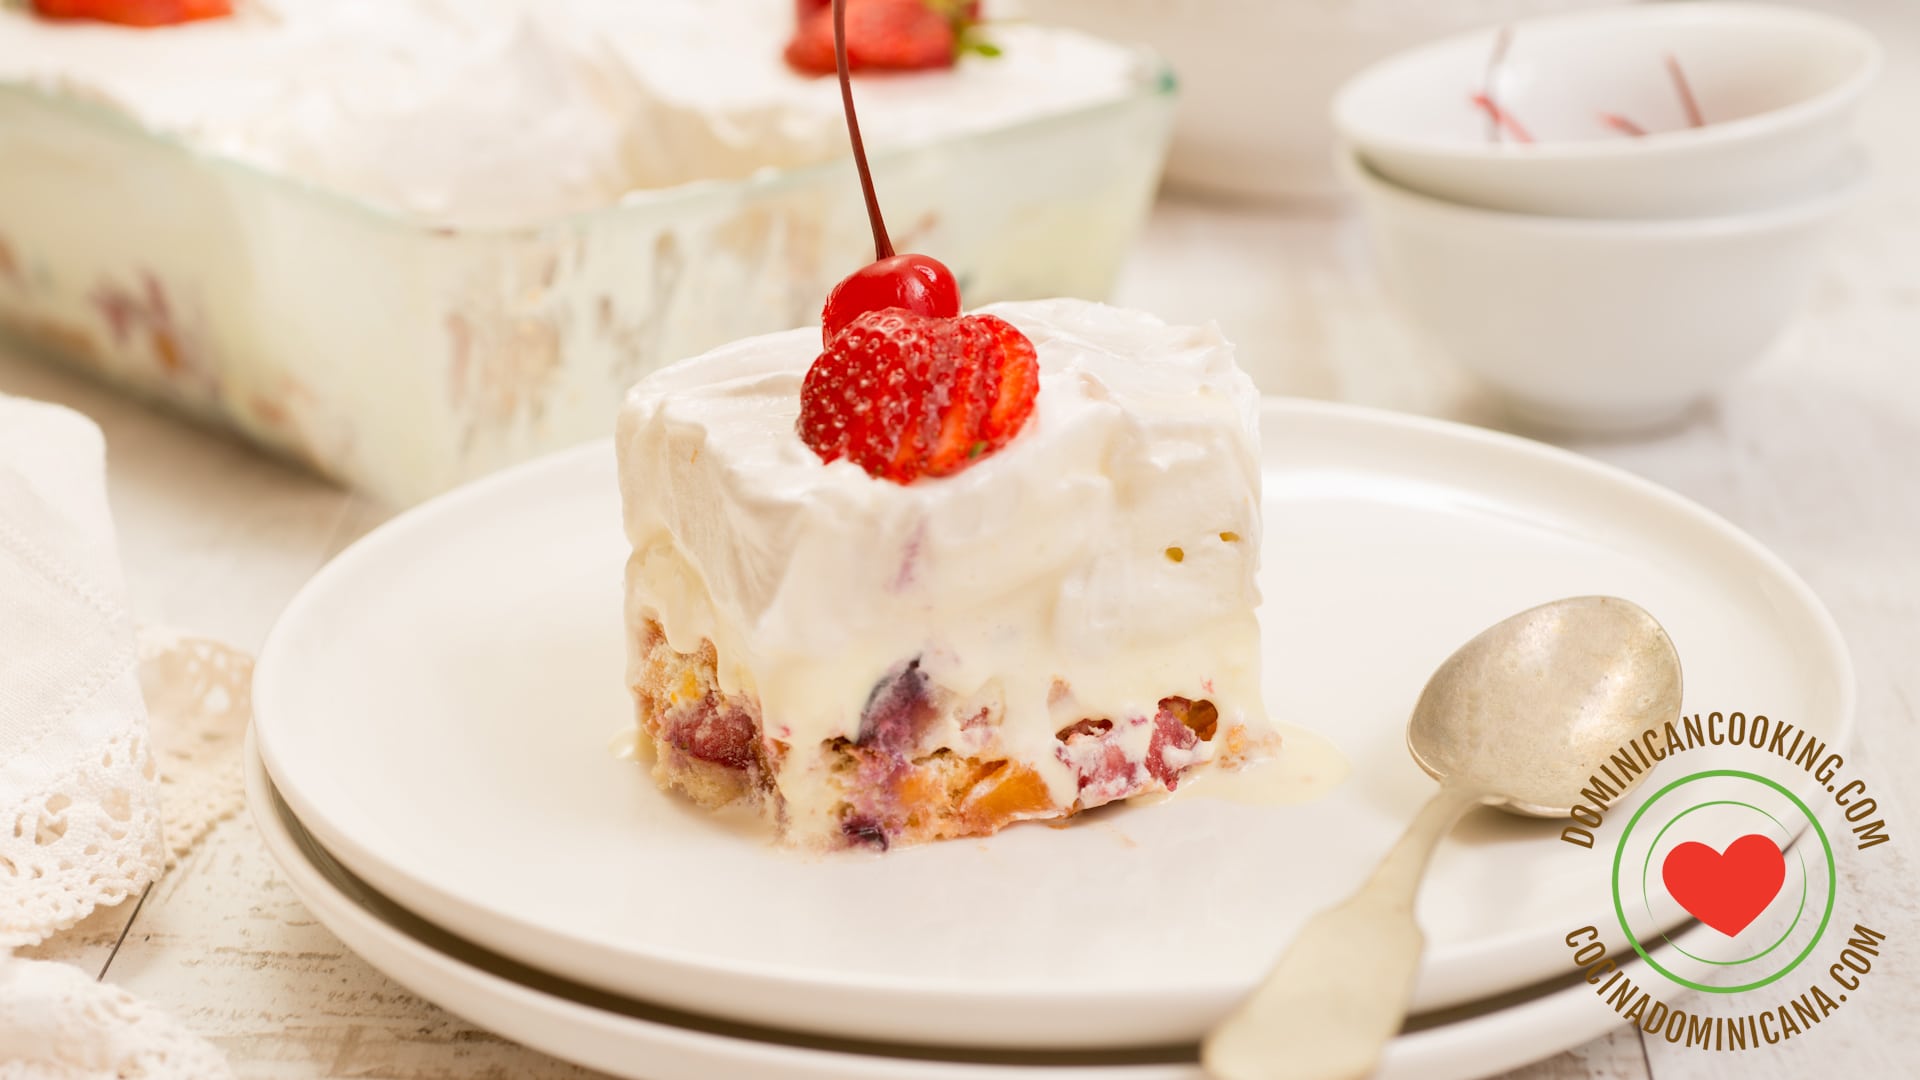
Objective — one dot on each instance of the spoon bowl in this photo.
(1502, 715)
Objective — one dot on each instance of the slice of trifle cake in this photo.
(921, 574)
(924, 637)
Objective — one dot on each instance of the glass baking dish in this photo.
(403, 357)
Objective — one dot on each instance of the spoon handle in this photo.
(1340, 991)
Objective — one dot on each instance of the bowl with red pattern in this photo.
(1640, 111)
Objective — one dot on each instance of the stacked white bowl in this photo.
(1599, 280)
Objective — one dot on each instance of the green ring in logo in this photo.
(1620, 851)
(1646, 868)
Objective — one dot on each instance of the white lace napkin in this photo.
(80, 801)
(79, 812)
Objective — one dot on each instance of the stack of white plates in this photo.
(433, 773)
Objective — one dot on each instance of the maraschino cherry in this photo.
(905, 385)
(918, 283)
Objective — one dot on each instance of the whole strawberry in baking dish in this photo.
(135, 12)
(882, 35)
(907, 386)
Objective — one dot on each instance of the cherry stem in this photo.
(882, 246)
(1686, 92)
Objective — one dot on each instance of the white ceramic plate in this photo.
(630, 1039)
(436, 706)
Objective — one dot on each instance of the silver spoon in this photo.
(1517, 718)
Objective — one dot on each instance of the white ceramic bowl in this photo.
(1776, 85)
(1256, 75)
(1601, 326)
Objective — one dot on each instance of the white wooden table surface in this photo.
(1817, 453)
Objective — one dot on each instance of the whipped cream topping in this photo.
(1110, 549)
(508, 111)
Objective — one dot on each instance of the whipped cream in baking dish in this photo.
(1112, 546)
(507, 111)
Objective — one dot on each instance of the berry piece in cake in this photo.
(135, 12)
(1178, 728)
(861, 830)
(715, 732)
(897, 711)
(904, 395)
(882, 35)
(1096, 750)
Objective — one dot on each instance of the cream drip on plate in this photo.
(487, 112)
(1112, 546)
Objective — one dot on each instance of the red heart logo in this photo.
(1725, 891)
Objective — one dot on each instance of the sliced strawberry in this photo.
(135, 12)
(823, 419)
(1018, 383)
(905, 395)
(954, 406)
(992, 395)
